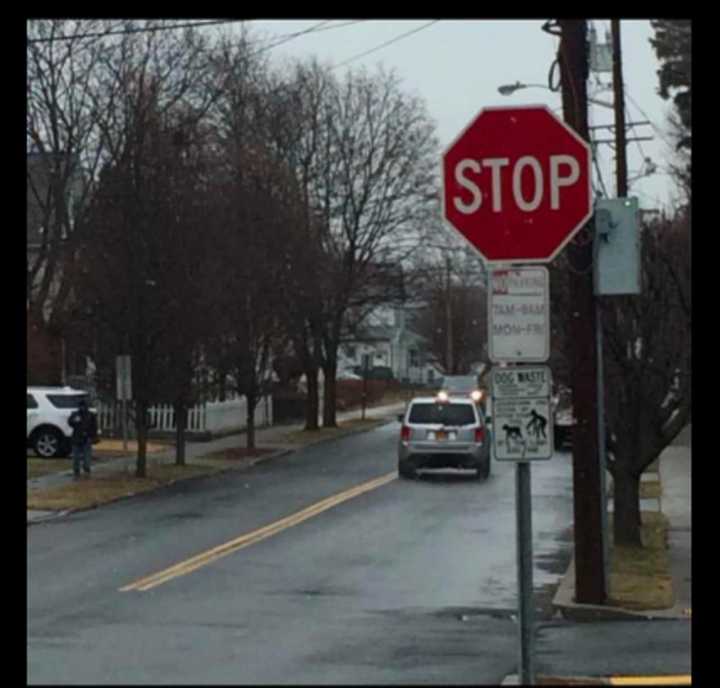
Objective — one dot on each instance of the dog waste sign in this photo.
(522, 414)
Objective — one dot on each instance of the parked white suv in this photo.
(48, 410)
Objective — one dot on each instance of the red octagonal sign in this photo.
(516, 184)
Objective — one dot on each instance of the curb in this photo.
(564, 603)
(52, 515)
(377, 422)
(44, 516)
(514, 680)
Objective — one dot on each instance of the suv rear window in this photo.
(447, 414)
(66, 401)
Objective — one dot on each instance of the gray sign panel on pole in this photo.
(617, 247)
(124, 378)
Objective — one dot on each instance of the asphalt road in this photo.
(410, 582)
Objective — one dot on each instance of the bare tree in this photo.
(259, 199)
(366, 169)
(189, 271)
(648, 363)
(252, 289)
(61, 126)
(149, 95)
(452, 282)
(297, 132)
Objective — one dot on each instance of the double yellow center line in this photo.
(211, 555)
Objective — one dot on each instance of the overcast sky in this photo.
(457, 66)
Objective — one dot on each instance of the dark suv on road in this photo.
(441, 432)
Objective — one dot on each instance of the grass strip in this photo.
(345, 427)
(89, 492)
(640, 576)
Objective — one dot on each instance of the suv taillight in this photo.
(405, 433)
(479, 434)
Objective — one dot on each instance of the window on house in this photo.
(351, 352)
(414, 356)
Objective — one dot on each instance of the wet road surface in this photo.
(410, 582)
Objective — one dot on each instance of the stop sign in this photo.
(516, 184)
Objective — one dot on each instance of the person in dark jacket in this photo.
(84, 427)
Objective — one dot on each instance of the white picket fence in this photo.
(214, 417)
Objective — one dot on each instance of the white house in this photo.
(387, 342)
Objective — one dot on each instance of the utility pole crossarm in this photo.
(615, 142)
(612, 126)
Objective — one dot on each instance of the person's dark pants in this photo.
(82, 453)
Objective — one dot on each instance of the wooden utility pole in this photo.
(590, 579)
(619, 102)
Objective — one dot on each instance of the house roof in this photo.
(373, 333)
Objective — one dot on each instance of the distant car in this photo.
(347, 375)
(563, 424)
(48, 410)
(563, 418)
(463, 386)
(440, 432)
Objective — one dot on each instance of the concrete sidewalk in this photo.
(274, 437)
(675, 468)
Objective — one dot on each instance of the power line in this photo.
(278, 40)
(596, 162)
(313, 29)
(652, 124)
(339, 26)
(144, 29)
(390, 42)
(291, 36)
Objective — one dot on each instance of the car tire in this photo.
(406, 470)
(486, 469)
(483, 470)
(49, 443)
(561, 437)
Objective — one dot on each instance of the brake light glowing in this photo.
(479, 434)
(405, 433)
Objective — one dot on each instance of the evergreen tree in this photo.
(672, 44)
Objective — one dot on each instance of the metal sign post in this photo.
(523, 433)
(124, 390)
(523, 513)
